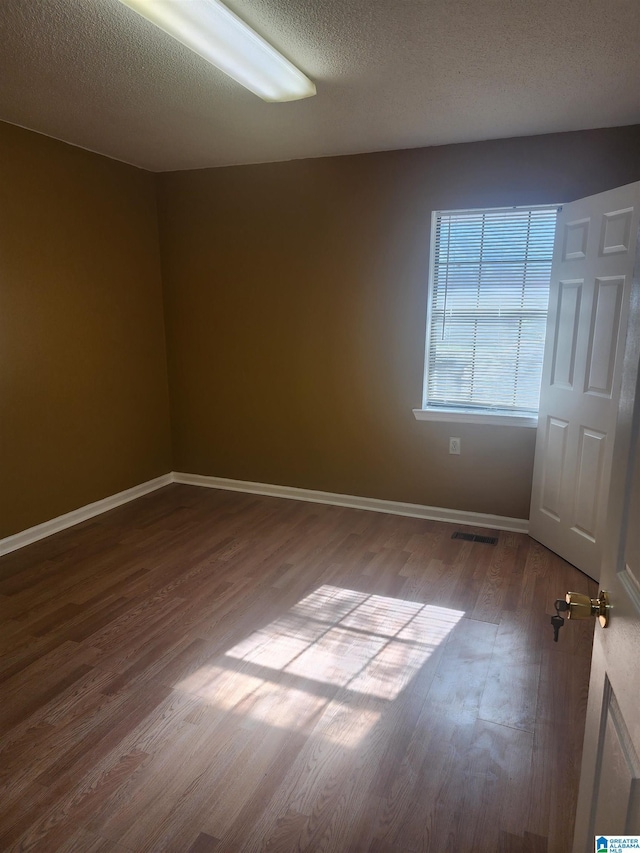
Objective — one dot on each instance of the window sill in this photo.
(463, 416)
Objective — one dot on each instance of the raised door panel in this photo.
(566, 333)
(574, 239)
(618, 793)
(629, 573)
(555, 460)
(604, 335)
(615, 232)
(591, 456)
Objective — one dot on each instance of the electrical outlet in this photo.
(454, 446)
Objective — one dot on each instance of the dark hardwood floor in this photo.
(209, 671)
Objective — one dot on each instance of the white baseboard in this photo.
(431, 513)
(40, 531)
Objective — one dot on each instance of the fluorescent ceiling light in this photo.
(215, 33)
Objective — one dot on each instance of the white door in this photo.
(609, 798)
(593, 261)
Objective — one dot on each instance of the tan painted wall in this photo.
(83, 386)
(295, 295)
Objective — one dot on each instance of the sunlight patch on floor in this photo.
(372, 644)
(332, 662)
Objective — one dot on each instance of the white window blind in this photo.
(488, 299)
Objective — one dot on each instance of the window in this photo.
(487, 312)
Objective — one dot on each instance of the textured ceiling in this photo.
(389, 73)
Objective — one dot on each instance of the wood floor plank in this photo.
(510, 695)
(206, 671)
(104, 737)
(460, 681)
(204, 844)
(88, 842)
(52, 829)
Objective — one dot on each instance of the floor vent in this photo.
(472, 537)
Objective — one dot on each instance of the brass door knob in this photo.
(580, 606)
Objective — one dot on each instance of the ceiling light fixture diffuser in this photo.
(214, 32)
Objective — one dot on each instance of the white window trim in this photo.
(464, 415)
